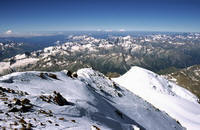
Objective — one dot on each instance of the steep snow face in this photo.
(59, 101)
(178, 102)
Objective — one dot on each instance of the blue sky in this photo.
(67, 15)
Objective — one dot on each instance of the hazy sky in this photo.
(66, 15)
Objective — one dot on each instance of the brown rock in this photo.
(14, 109)
(53, 76)
(69, 73)
(17, 101)
(60, 100)
(74, 74)
(25, 101)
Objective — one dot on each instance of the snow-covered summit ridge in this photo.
(152, 81)
(178, 102)
(91, 101)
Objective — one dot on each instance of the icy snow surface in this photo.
(178, 102)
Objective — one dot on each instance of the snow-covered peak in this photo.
(84, 39)
(127, 37)
(152, 81)
(164, 95)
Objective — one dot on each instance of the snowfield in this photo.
(86, 100)
(178, 102)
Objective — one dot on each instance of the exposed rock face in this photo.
(69, 73)
(59, 99)
(74, 74)
(18, 105)
(53, 76)
(48, 75)
(56, 98)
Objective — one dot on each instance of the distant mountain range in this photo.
(112, 54)
(11, 46)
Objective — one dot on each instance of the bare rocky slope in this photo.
(188, 78)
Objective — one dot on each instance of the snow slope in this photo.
(178, 102)
(91, 101)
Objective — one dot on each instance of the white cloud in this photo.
(122, 30)
(108, 30)
(99, 30)
(8, 32)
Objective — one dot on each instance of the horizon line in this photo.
(51, 33)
